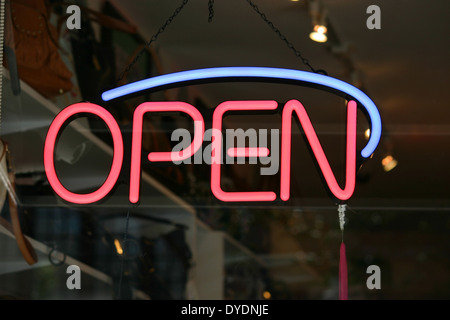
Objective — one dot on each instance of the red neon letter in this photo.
(316, 147)
(217, 152)
(136, 145)
(248, 152)
(49, 149)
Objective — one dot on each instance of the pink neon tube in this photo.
(217, 152)
(248, 152)
(49, 149)
(341, 194)
(136, 145)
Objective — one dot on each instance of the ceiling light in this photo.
(319, 18)
(320, 29)
(319, 34)
(389, 163)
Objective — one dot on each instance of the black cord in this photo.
(211, 10)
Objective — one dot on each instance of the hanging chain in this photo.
(284, 39)
(153, 39)
(211, 15)
(211, 10)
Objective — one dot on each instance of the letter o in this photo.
(49, 149)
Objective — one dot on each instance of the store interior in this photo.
(179, 241)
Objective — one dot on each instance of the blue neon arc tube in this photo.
(260, 72)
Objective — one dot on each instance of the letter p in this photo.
(136, 144)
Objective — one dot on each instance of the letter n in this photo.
(286, 132)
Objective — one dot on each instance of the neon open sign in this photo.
(354, 96)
